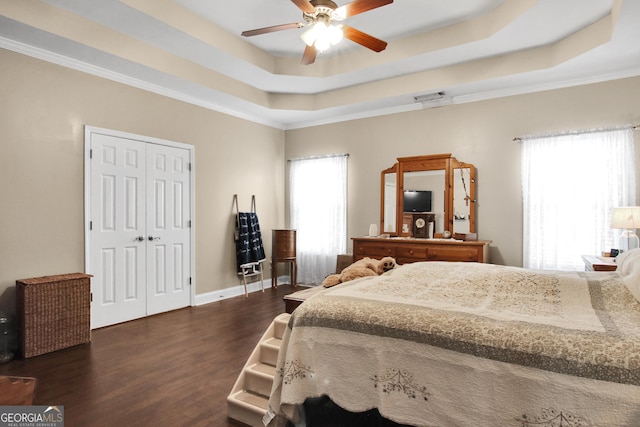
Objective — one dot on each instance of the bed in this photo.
(468, 344)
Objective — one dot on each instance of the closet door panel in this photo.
(168, 228)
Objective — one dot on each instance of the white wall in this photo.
(42, 116)
(480, 133)
(44, 108)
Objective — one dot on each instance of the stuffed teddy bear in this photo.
(361, 268)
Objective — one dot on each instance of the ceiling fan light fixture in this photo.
(322, 36)
(309, 36)
(335, 34)
(322, 44)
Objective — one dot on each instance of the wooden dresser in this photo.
(407, 250)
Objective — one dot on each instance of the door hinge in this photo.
(91, 153)
(189, 166)
(189, 280)
(90, 225)
(91, 299)
(189, 224)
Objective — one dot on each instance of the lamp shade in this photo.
(626, 217)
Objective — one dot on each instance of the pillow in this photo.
(628, 262)
(629, 268)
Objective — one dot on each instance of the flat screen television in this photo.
(417, 201)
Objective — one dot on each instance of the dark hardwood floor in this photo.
(172, 369)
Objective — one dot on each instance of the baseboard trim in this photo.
(235, 291)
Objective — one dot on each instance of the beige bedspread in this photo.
(466, 344)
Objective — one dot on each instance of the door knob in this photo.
(139, 239)
(151, 238)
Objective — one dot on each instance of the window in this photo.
(318, 202)
(570, 184)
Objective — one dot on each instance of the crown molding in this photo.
(67, 62)
(403, 105)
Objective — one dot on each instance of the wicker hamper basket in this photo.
(53, 313)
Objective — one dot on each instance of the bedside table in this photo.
(598, 263)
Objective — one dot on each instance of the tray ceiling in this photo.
(469, 50)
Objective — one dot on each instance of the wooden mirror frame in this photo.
(444, 162)
(468, 187)
(383, 199)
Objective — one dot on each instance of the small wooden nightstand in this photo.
(598, 263)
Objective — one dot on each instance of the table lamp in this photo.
(628, 219)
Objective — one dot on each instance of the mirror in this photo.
(438, 184)
(424, 192)
(389, 182)
(464, 199)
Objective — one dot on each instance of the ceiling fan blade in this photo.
(304, 6)
(309, 55)
(359, 6)
(272, 29)
(364, 39)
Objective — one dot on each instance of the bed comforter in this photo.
(466, 344)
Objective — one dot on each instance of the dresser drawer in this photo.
(373, 250)
(454, 253)
(413, 252)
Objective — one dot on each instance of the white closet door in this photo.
(168, 249)
(118, 244)
(139, 242)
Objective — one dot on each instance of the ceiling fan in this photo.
(319, 16)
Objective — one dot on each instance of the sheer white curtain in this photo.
(570, 184)
(318, 203)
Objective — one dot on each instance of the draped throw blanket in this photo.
(248, 238)
(249, 248)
